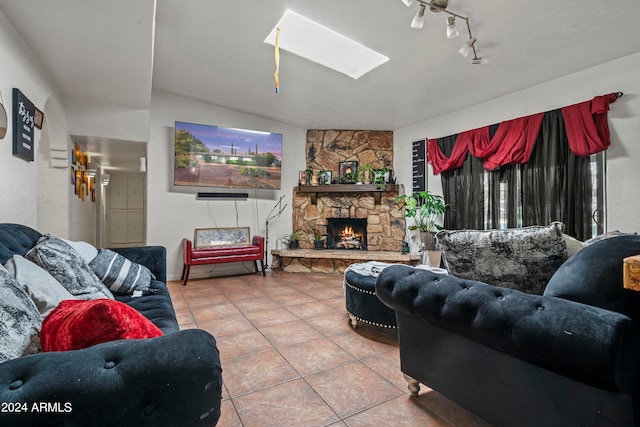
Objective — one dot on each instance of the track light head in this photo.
(407, 2)
(467, 48)
(418, 19)
(452, 31)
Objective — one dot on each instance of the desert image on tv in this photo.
(213, 156)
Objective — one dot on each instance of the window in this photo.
(554, 185)
(508, 202)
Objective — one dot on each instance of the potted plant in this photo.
(381, 176)
(424, 208)
(318, 243)
(294, 239)
(366, 173)
(322, 177)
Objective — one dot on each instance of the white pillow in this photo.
(86, 250)
(573, 245)
(45, 291)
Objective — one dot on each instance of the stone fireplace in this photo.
(361, 222)
(383, 225)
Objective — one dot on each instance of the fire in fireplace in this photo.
(347, 233)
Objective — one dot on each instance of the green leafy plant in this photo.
(294, 235)
(365, 173)
(347, 177)
(322, 177)
(317, 236)
(380, 175)
(424, 208)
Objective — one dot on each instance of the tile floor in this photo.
(290, 357)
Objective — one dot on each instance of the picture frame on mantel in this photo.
(347, 172)
(302, 178)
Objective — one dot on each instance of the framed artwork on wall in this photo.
(207, 237)
(348, 172)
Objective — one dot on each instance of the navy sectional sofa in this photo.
(171, 380)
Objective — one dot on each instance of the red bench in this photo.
(221, 254)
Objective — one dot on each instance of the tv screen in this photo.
(215, 156)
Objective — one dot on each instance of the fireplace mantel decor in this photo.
(376, 190)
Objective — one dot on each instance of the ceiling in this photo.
(213, 51)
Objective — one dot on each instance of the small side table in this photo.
(631, 273)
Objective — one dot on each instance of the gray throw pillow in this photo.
(517, 258)
(45, 291)
(120, 274)
(20, 320)
(67, 267)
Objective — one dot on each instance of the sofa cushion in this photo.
(120, 274)
(19, 320)
(85, 249)
(519, 258)
(45, 291)
(593, 276)
(68, 267)
(77, 324)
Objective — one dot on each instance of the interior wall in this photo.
(21, 188)
(100, 119)
(172, 216)
(623, 174)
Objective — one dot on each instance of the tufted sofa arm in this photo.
(589, 344)
(147, 382)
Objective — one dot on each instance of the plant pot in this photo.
(294, 244)
(318, 244)
(428, 239)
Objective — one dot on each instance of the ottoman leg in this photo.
(354, 321)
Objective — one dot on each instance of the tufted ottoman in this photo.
(362, 303)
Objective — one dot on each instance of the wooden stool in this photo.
(631, 273)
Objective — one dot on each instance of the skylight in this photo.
(308, 39)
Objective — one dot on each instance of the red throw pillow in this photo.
(77, 324)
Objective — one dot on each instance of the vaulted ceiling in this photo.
(116, 51)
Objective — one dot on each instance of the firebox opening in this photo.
(347, 233)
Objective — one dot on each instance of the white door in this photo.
(126, 217)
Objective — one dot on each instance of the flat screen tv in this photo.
(220, 157)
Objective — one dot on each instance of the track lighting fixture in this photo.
(418, 19)
(452, 32)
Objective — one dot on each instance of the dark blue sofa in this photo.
(570, 357)
(172, 380)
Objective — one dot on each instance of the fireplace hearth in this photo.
(347, 233)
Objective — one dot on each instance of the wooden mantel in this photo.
(376, 189)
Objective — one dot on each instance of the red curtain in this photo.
(586, 126)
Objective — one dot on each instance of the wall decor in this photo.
(3, 118)
(23, 124)
(204, 237)
(38, 117)
(302, 178)
(348, 172)
(419, 164)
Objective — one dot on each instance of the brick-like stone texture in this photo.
(325, 150)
